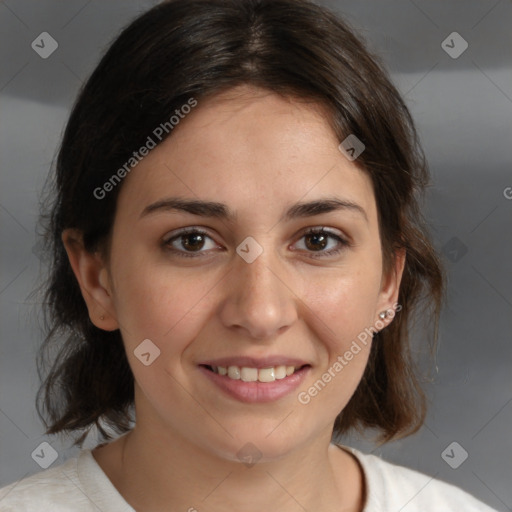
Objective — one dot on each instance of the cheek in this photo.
(342, 310)
(344, 301)
(167, 306)
(169, 309)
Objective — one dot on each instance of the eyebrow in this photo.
(223, 212)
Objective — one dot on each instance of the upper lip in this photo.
(255, 362)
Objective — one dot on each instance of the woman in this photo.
(237, 252)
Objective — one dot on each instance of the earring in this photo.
(383, 315)
(102, 317)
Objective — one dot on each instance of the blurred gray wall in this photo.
(461, 99)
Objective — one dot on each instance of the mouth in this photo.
(252, 374)
(255, 384)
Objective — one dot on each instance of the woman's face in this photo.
(252, 289)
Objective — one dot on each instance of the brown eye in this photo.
(188, 242)
(316, 241)
(192, 242)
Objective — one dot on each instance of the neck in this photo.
(160, 471)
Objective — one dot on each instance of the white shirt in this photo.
(80, 485)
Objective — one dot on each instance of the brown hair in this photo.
(195, 48)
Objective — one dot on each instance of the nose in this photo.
(259, 301)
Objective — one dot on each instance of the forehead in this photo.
(251, 149)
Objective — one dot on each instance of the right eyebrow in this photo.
(193, 206)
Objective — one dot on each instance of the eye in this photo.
(193, 242)
(189, 242)
(318, 239)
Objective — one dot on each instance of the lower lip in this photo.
(257, 392)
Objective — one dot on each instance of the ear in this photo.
(390, 288)
(94, 280)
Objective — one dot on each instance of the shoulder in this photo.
(56, 486)
(394, 487)
(78, 484)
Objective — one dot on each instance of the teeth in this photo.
(280, 372)
(234, 372)
(249, 374)
(267, 375)
(254, 374)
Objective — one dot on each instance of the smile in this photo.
(249, 384)
(248, 374)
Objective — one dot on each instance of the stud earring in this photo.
(383, 315)
(102, 317)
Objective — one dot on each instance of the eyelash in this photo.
(312, 231)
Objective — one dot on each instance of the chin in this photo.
(252, 443)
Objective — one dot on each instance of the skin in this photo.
(258, 153)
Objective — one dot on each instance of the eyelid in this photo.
(330, 231)
(185, 231)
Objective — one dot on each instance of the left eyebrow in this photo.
(323, 206)
(221, 211)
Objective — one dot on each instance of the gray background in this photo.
(463, 109)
